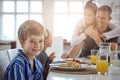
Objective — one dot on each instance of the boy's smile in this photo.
(33, 45)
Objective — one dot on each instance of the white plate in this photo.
(57, 66)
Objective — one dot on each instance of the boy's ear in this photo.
(21, 42)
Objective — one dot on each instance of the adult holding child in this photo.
(93, 33)
(83, 28)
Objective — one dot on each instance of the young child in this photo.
(43, 57)
(25, 66)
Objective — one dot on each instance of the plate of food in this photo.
(72, 66)
(69, 65)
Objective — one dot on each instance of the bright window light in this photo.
(8, 6)
(20, 19)
(36, 17)
(66, 17)
(61, 6)
(60, 25)
(8, 29)
(22, 6)
(74, 19)
(76, 7)
(14, 12)
(36, 6)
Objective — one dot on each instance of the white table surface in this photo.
(113, 74)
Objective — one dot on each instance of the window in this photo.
(15, 12)
(60, 16)
(66, 15)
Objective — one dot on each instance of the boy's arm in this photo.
(15, 73)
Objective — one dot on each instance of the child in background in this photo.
(43, 57)
(25, 66)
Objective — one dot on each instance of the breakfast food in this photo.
(71, 64)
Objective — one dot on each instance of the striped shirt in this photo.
(20, 69)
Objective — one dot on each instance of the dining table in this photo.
(113, 73)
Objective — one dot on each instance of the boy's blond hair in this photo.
(30, 27)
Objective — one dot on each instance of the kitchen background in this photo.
(59, 16)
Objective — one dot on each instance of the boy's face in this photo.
(33, 45)
(89, 16)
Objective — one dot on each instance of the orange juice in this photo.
(93, 59)
(102, 66)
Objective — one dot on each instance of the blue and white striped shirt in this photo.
(20, 69)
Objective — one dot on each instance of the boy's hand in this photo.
(52, 56)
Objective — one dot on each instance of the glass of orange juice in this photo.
(102, 66)
(94, 56)
(102, 61)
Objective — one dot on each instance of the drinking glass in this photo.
(102, 60)
(117, 58)
(94, 56)
(113, 46)
(102, 66)
(105, 48)
(112, 57)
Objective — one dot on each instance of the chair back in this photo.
(6, 57)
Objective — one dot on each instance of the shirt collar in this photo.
(22, 54)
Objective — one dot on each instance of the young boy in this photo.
(25, 66)
(43, 57)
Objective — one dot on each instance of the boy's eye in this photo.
(34, 42)
(41, 41)
(31, 41)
